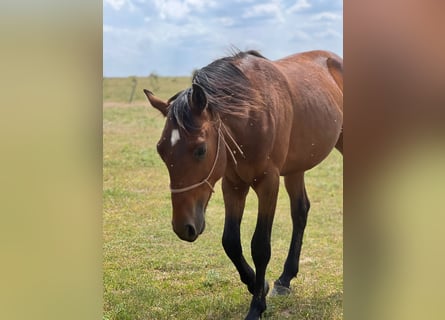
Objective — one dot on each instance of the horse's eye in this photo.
(200, 152)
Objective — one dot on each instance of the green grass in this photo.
(119, 89)
(149, 273)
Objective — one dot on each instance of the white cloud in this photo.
(115, 4)
(301, 35)
(327, 16)
(265, 9)
(329, 33)
(172, 37)
(298, 6)
(226, 21)
(171, 8)
(107, 28)
(178, 9)
(253, 43)
(199, 4)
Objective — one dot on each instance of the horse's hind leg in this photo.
(299, 211)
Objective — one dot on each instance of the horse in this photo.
(249, 120)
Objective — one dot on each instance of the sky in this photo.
(176, 37)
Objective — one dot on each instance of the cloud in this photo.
(226, 21)
(272, 9)
(179, 9)
(301, 35)
(327, 16)
(328, 33)
(115, 4)
(174, 9)
(107, 28)
(173, 37)
(298, 6)
(199, 4)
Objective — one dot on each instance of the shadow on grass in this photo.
(314, 307)
(292, 307)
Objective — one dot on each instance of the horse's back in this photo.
(314, 56)
(310, 63)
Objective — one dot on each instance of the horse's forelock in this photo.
(180, 111)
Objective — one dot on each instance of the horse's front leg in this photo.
(234, 200)
(267, 192)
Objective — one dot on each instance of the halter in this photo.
(206, 180)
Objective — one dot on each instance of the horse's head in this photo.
(191, 147)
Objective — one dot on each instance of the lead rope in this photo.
(234, 142)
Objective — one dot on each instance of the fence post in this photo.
(133, 89)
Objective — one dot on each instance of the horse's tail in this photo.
(339, 144)
(335, 67)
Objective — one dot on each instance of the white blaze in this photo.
(175, 137)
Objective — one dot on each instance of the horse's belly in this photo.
(311, 141)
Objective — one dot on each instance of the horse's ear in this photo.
(156, 102)
(199, 98)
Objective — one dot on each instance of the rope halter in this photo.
(206, 180)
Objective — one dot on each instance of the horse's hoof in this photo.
(279, 290)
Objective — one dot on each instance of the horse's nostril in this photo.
(190, 231)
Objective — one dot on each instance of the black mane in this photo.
(228, 90)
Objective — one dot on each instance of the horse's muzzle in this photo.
(188, 217)
(188, 231)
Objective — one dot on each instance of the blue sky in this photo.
(174, 37)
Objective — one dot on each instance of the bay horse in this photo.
(249, 120)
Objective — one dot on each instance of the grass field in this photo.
(149, 273)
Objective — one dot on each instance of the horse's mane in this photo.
(228, 90)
